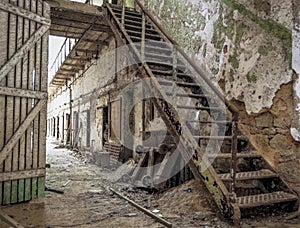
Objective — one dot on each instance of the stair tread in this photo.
(199, 107)
(207, 122)
(148, 29)
(195, 95)
(130, 32)
(165, 82)
(258, 174)
(119, 9)
(160, 72)
(265, 199)
(239, 155)
(218, 137)
(136, 16)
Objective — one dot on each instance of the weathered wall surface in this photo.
(102, 83)
(85, 98)
(247, 48)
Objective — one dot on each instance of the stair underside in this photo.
(162, 67)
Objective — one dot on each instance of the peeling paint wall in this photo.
(246, 46)
(85, 98)
(233, 45)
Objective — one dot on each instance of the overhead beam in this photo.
(76, 7)
(21, 130)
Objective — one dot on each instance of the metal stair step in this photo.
(147, 38)
(218, 137)
(209, 122)
(239, 155)
(139, 35)
(199, 107)
(159, 48)
(193, 95)
(265, 199)
(184, 84)
(252, 175)
(127, 15)
(164, 64)
(170, 73)
(160, 57)
(149, 29)
(118, 10)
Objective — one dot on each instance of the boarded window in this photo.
(115, 119)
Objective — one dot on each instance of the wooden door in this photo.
(24, 26)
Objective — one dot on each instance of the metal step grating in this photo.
(259, 174)
(239, 155)
(265, 199)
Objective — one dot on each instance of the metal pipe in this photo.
(147, 212)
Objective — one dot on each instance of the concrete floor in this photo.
(87, 202)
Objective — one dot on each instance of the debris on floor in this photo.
(88, 202)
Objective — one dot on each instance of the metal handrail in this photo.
(231, 107)
(62, 55)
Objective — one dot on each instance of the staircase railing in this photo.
(232, 108)
(61, 56)
(221, 197)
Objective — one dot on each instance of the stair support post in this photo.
(233, 153)
(123, 13)
(174, 72)
(143, 36)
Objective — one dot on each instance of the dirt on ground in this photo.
(87, 201)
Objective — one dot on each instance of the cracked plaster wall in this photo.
(247, 49)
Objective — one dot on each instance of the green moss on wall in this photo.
(251, 78)
(272, 27)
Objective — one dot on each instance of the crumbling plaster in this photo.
(253, 61)
(246, 46)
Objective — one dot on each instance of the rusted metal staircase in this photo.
(239, 177)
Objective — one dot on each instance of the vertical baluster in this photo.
(234, 152)
(174, 75)
(143, 36)
(123, 13)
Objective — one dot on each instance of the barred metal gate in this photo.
(24, 28)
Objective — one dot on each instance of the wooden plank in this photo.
(3, 59)
(23, 107)
(16, 114)
(24, 13)
(23, 174)
(13, 140)
(22, 51)
(9, 109)
(9, 91)
(43, 112)
(30, 66)
(10, 221)
(36, 87)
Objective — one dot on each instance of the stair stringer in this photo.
(193, 154)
